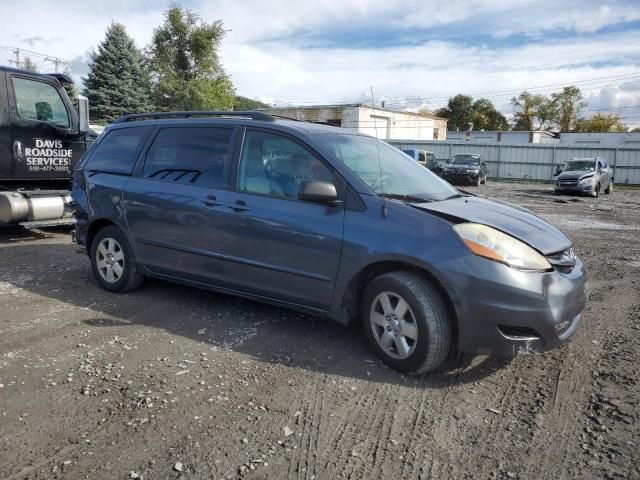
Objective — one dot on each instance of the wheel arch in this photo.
(95, 226)
(352, 296)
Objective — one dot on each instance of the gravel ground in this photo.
(172, 382)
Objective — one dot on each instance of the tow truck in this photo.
(42, 137)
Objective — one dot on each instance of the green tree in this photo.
(459, 111)
(117, 82)
(601, 122)
(568, 104)
(486, 117)
(532, 112)
(29, 65)
(71, 89)
(241, 103)
(185, 65)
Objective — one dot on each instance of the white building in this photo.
(507, 137)
(594, 139)
(378, 122)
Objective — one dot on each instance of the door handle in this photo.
(239, 206)
(211, 201)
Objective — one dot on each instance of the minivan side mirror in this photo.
(83, 114)
(318, 191)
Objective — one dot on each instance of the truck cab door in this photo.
(45, 141)
(5, 129)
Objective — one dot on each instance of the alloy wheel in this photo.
(394, 325)
(110, 260)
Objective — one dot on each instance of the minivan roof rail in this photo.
(253, 115)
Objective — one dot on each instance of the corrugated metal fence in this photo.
(533, 162)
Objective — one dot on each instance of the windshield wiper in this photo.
(407, 198)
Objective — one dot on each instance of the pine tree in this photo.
(185, 64)
(29, 65)
(117, 82)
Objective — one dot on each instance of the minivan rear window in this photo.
(119, 150)
(193, 155)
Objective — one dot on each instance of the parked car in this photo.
(587, 176)
(328, 222)
(426, 159)
(466, 169)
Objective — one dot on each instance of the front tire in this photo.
(406, 322)
(113, 262)
(609, 188)
(596, 192)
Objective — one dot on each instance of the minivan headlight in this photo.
(494, 245)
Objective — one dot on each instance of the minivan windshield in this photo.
(393, 175)
(581, 166)
(466, 159)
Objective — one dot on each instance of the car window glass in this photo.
(421, 157)
(274, 165)
(193, 155)
(40, 101)
(119, 150)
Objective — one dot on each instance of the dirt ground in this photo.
(172, 382)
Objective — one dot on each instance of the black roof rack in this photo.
(253, 115)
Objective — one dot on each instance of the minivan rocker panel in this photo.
(424, 267)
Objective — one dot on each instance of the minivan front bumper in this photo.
(510, 312)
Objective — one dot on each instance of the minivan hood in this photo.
(575, 175)
(513, 220)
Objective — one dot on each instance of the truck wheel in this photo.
(113, 262)
(484, 179)
(476, 182)
(609, 188)
(406, 322)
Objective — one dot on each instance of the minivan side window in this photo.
(40, 101)
(275, 165)
(192, 155)
(119, 150)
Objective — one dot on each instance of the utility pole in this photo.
(56, 61)
(16, 52)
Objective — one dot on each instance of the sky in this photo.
(412, 53)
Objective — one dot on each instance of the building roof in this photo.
(354, 105)
(546, 132)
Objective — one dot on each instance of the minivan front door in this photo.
(173, 203)
(275, 245)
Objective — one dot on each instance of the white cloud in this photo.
(267, 49)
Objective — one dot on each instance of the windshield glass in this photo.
(394, 174)
(466, 159)
(581, 166)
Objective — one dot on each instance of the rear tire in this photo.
(406, 322)
(113, 262)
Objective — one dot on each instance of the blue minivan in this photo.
(329, 222)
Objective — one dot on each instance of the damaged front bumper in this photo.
(511, 312)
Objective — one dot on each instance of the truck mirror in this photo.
(83, 114)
